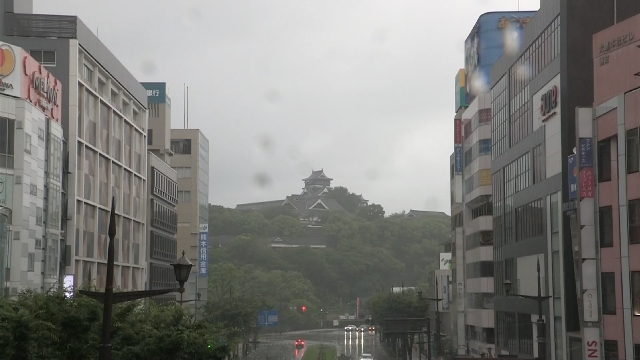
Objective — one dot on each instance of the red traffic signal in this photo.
(303, 308)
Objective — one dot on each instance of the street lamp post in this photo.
(542, 348)
(182, 270)
(436, 336)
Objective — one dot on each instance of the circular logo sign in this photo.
(7, 60)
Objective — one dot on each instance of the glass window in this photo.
(608, 280)
(605, 215)
(633, 156)
(604, 160)
(634, 221)
(44, 57)
(27, 143)
(184, 196)
(181, 146)
(635, 292)
(558, 334)
(611, 350)
(105, 127)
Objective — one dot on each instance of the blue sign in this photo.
(572, 171)
(586, 153)
(157, 93)
(267, 318)
(457, 159)
(203, 248)
(486, 44)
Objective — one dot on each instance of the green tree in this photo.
(371, 212)
(286, 226)
(348, 200)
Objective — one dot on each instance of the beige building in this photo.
(162, 217)
(190, 159)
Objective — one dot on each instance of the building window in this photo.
(634, 221)
(633, 155)
(608, 293)
(604, 160)
(31, 260)
(164, 187)
(184, 196)
(7, 136)
(605, 225)
(44, 57)
(27, 143)
(530, 220)
(539, 164)
(611, 350)
(183, 172)
(635, 292)
(149, 137)
(181, 146)
(163, 247)
(636, 352)
(87, 74)
(39, 216)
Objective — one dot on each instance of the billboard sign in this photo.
(572, 175)
(41, 88)
(10, 66)
(591, 343)
(586, 152)
(267, 318)
(492, 33)
(460, 90)
(157, 93)
(457, 159)
(203, 248)
(445, 261)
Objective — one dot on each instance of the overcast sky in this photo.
(361, 88)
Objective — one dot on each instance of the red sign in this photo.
(40, 88)
(586, 183)
(592, 349)
(457, 131)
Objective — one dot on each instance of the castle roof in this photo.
(317, 174)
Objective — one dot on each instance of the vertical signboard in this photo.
(572, 172)
(591, 343)
(586, 153)
(445, 261)
(203, 247)
(457, 131)
(457, 159)
(461, 90)
(586, 183)
(444, 280)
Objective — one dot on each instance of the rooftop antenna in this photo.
(184, 106)
(187, 107)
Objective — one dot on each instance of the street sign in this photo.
(267, 318)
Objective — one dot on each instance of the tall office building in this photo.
(535, 92)
(191, 161)
(493, 34)
(104, 119)
(162, 246)
(31, 168)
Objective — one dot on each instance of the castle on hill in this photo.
(311, 203)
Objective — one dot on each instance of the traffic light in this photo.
(303, 309)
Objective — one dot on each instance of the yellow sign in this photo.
(484, 177)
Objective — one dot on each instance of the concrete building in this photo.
(104, 119)
(162, 244)
(191, 161)
(31, 173)
(605, 197)
(534, 95)
(478, 227)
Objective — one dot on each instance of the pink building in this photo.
(616, 115)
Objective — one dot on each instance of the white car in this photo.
(350, 328)
(366, 356)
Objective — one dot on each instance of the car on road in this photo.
(363, 328)
(366, 356)
(372, 328)
(350, 328)
(299, 344)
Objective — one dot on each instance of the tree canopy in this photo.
(366, 253)
(54, 327)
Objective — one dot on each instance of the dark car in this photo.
(299, 344)
(372, 328)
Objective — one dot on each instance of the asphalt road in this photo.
(281, 347)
